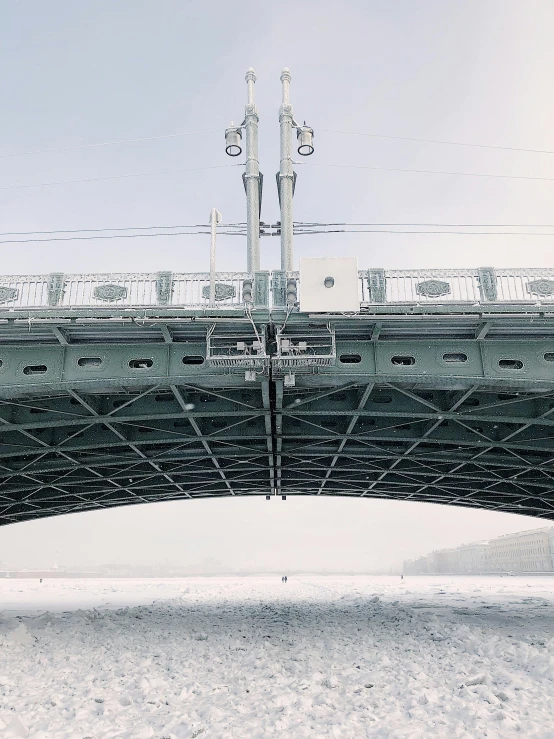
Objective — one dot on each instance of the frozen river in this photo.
(241, 658)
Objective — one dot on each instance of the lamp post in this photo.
(252, 177)
(215, 219)
(286, 173)
(287, 176)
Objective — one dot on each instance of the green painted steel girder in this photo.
(452, 407)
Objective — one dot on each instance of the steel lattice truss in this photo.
(468, 447)
(75, 451)
(81, 451)
(98, 413)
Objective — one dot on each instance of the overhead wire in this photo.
(342, 166)
(243, 233)
(119, 236)
(437, 141)
(238, 229)
(118, 177)
(106, 143)
(241, 164)
(428, 171)
(105, 230)
(443, 142)
(392, 231)
(303, 228)
(298, 225)
(437, 225)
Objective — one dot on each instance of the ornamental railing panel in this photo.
(481, 285)
(233, 290)
(432, 286)
(525, 284)
(22, 291)
(193, 289)
(104, 290)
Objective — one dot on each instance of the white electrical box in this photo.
(329, 285)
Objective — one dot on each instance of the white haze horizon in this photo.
(302, 533)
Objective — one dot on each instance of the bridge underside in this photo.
(78, 436)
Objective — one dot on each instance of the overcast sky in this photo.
(89, 72)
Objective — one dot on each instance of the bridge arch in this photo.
(105, 409)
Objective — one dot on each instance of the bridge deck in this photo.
(436, 400)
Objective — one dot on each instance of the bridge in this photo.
(117, 389)
(120, 389)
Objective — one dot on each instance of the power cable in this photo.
(105, 230)
(303, 228)
(299, 226)
(324, 130)
(107, 143)
(243, 233)
(119, 236)
(436, 141)
(314, 224)
(428, 171)
(118, 177)
(392, 231)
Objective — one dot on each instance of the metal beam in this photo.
(361, 405)
(176, 391)
(60, 335)
(120, 436)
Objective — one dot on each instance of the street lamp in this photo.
(287, 178)
(233, 138)
(252, 177)
(305, 136)
(215, 220)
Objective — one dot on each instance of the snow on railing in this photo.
(276, 289)
(429, 285)
(123, 290)
(484, 284)
(437, 286)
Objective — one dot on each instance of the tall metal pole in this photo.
(286, 174)
(215, 218)
(252, 178)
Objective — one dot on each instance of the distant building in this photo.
(447, 560)
(426, 565)
(526, 551)
(473, 558)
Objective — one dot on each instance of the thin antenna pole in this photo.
(286, 174)
(252, 178)
(215, 218)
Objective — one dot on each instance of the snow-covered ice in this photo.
(234, 658)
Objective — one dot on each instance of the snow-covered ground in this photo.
(236, 658)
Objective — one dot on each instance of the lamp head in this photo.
(233, 139)
(305, 136)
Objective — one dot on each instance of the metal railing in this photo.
(467, 285)
(431, 285)
(277, 289)
(121, 290)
